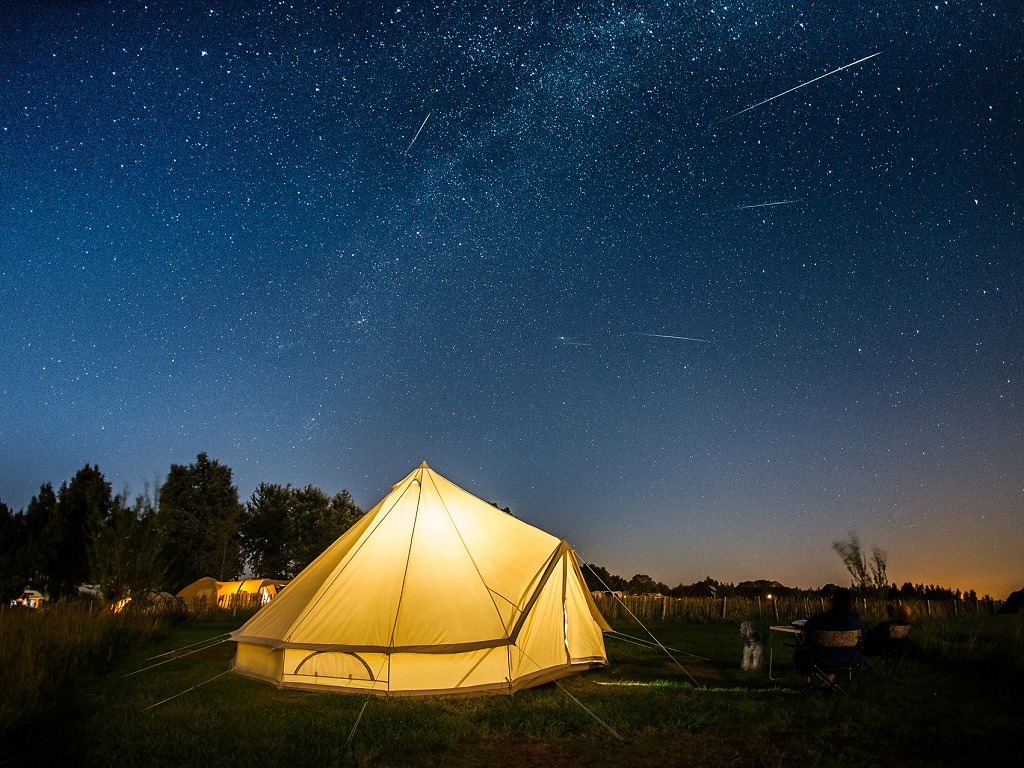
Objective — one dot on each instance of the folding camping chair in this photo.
(889, 659)
(835, 658)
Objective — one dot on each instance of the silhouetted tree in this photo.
(866, 574)
(15, 568)
(599, 579)
(320, 519)
(198, 517)
(37, 516)
(284, 529)
(82, 507)
(125, 555)
(642, 584)
(266, 531)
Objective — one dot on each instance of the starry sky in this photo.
(698, 286)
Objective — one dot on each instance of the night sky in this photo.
(541, 246)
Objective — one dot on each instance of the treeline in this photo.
(191, 525)
(599, 579)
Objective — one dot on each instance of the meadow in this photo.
(89, 689)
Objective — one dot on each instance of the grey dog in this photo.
(753, 646)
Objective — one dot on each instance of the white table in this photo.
(787, 629)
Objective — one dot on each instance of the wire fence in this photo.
(774, 610)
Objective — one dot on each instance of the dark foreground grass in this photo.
(949, 710)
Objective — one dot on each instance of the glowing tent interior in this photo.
(433, 591)
(208, 590)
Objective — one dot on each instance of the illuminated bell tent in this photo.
(433, 591)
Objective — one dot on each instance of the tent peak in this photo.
(423, 465)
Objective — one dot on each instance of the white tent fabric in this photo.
(433, 591)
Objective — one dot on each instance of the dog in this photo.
(753, 646)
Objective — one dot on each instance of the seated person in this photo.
(877, 637)
(840, 615)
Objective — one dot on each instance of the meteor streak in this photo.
(759, 205)
(417, 133)
(666, 336)
(796, 87)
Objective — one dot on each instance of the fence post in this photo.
(724, 601)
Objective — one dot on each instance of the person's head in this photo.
(842, 600)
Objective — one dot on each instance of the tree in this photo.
(266, 531)
(642, 584)
(82, 507)
(320, 520)
(15, 569)
(198, 517)
(867, 575)
(284, 529)
(125, 555)
(598, 578)
(37, 517)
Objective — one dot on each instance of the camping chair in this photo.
(835, 657)
(889, 660)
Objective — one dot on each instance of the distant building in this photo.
(701, 589)
(762, 588)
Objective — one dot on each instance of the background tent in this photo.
(249, 590)
(200, 591)
(432, 591)
(226, 594)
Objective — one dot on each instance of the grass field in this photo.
(959, 704)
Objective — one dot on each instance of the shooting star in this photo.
(666, 336)
(417, 133)
(797, 87)
(760, 205)
(563, 340)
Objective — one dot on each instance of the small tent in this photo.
(433, 591)
(150, 602)
(200, 591)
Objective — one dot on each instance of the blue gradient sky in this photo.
(217, 234)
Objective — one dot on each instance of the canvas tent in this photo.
(150, 602)
(252, 590)
(209, 591)
(433, 591)
(200, 590)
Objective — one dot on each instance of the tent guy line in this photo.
(197, 685)
(175, 658)
(637, 619)
(210, 640)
